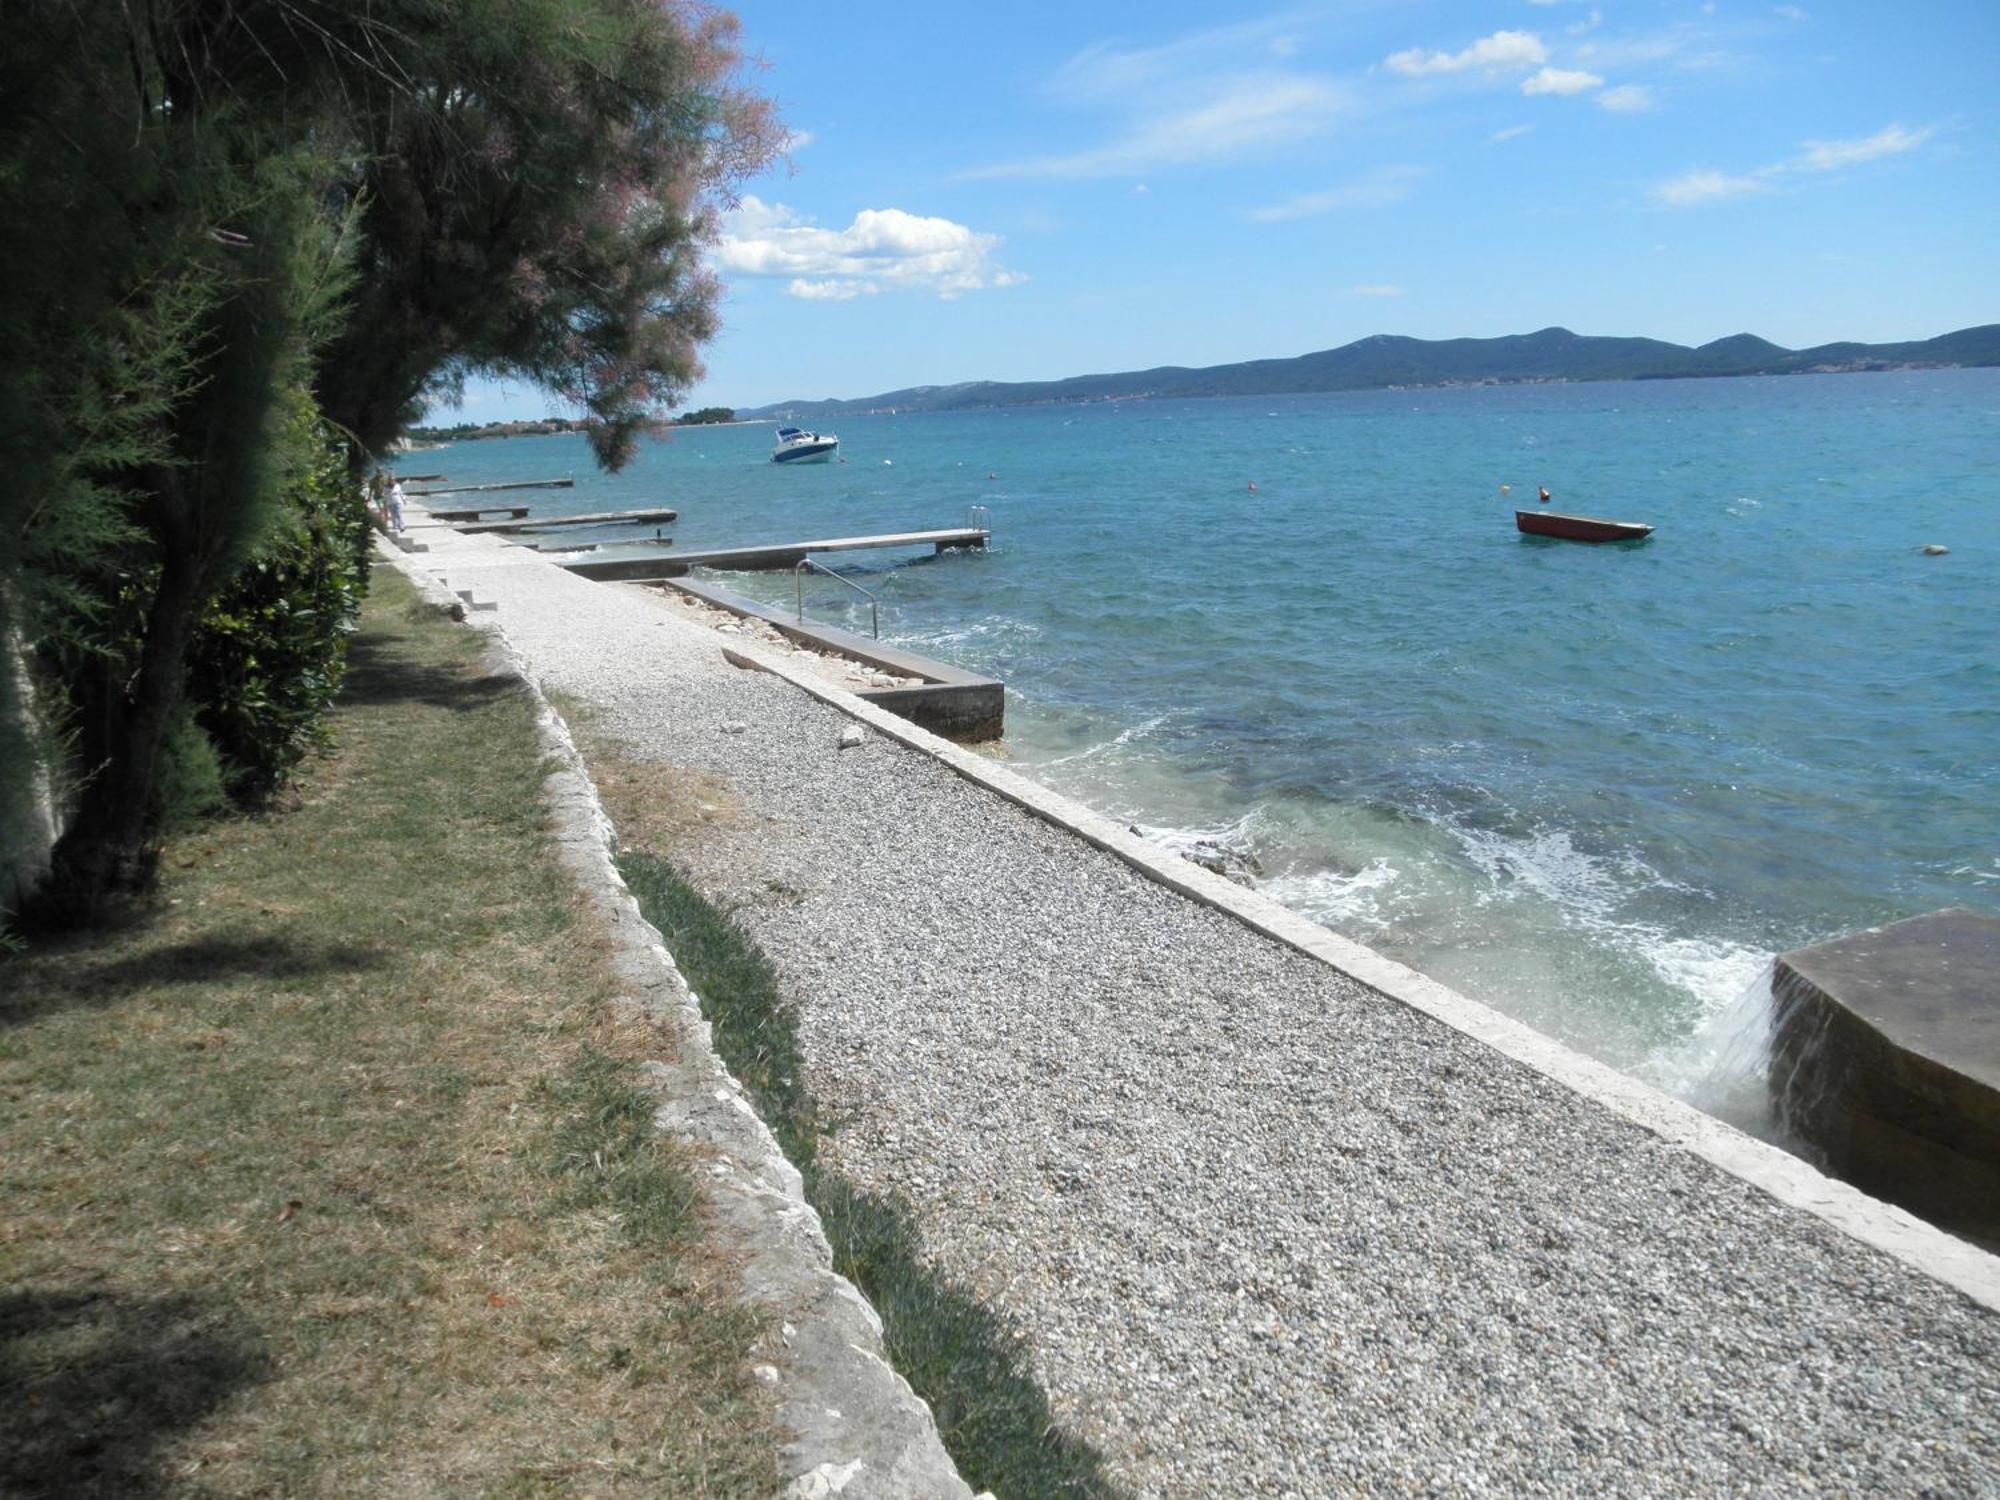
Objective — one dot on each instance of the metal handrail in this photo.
(799, 592)
(979, 516)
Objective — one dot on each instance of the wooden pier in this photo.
(652, 517)
(480, 489)
(769, 557)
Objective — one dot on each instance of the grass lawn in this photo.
(327, 1172)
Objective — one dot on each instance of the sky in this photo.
(1028, 190)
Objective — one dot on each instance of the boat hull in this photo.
(795, 445)
(1579, 528)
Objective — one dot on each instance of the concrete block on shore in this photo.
(1886, 1056)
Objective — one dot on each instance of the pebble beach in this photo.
(1266, 1230)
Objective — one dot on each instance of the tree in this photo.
(537, 181)
(518, 185)
(165, 259)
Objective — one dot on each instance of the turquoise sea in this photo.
(1594, 787)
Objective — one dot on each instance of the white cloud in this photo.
(1826, 156)
(1788, 12)
(1508, 134)
(1380, 289)
(1377, 190)
(1626, 99)
(1224, 119)
(798, 140)
(1502, 50)
(1105, 70)
(1704, 185)
(1589, 23)
(825, 291)
(884, 249)
(1561, 81)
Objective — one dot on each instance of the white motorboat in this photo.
(794, 445)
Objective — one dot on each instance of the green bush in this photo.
(271, 649)
(190, 776)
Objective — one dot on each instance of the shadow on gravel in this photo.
(92, 1386)
(378, 672)
(203, 960)
(955, 1352)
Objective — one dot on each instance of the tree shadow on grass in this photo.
(93, 1385)
(379, 671)
(204, 960)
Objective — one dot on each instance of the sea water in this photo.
(1596, 787)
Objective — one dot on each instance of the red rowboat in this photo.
(1579, 528)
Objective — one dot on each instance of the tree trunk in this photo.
(111, 844)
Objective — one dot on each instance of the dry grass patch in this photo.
(329, 1173)
(652, 804)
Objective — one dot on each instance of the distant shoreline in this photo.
(1385, 362)
(427, 438)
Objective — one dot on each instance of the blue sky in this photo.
(1029, 190)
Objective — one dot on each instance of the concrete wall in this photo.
(1885, 1056)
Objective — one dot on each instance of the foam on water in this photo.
(1346, 902)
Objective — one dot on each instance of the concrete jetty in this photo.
(480, 513)
(656, 515)
(633, 541)
(946, 700)
(513, 484)
(1886, 1056)
(1275, 1214)
(772, 556)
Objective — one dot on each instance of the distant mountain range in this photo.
(1387, 360)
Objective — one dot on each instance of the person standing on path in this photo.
(395, 504)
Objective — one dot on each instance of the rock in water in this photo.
(1232, 864)
(1935, 549)
(850, 736)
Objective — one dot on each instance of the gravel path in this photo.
(1270, 1232)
